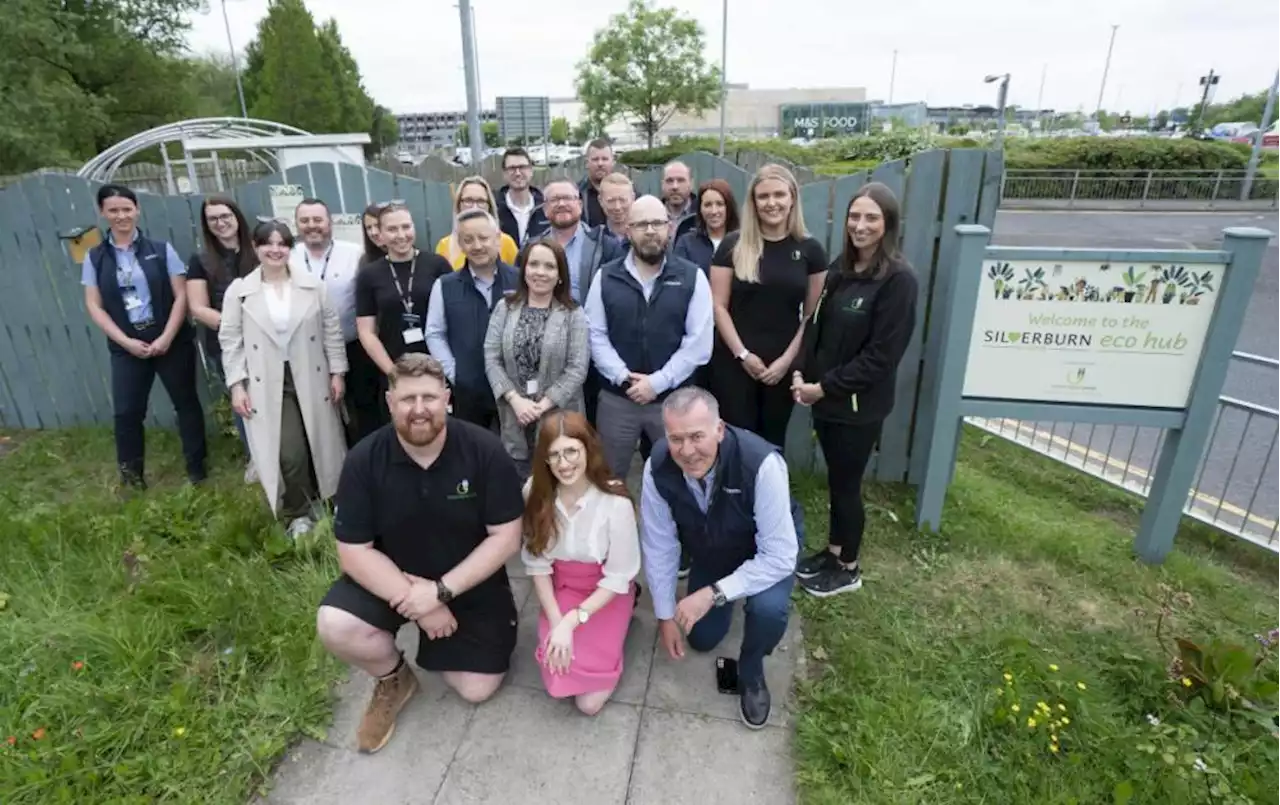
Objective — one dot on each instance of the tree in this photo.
(646, 65)
(559, 130)
(287, 75)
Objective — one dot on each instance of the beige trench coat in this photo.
(253, 351)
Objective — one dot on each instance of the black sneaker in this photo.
(685, 563)
(810, 566)
(754, 703)
(833, 582)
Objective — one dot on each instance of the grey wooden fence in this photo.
(53, 360)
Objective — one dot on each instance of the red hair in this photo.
(540, 508)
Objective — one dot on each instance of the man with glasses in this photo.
(650, 326)
(519, 202)
(585, 248)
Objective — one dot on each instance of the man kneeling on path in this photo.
(722, 493)
(428, 512)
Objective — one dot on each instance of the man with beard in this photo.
(585, 247)
(680, 197)
(519, 203)
(599, 165)
(650, 325)
(428, 512)
(336, 263)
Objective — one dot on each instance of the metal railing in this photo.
(1235, 486)
(1139, 187)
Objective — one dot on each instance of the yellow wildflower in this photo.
(1062, 707)
(1066, 720)
(1053, 738)
(1081, 685)
(1052, 667)
(1008, 677)
(1053, 748)
(999, 691)
(1042, 706)
(1186, 682)
(1015, 708)
(1031, 723)
(178, 732)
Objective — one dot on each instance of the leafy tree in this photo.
(489, 132)
(646, 65)
(559, 130)
(287, 76)
(385, 131)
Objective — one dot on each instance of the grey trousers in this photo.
(620, 423)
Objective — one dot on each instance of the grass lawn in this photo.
(156, 650)
(905, 698)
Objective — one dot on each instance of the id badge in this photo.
(132, 302)
(531, 388)
(412, 335)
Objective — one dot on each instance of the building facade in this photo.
(423, 132)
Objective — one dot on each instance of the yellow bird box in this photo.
(80, 240)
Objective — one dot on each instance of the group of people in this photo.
(489, 398)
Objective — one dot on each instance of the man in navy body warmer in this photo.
(722, 494)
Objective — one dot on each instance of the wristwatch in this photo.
(583, 616)
(443, 594)
(717, 596)
(742, 356)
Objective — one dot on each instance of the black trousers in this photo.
(747, 403)
(131, 381)
(847, 449)
(366, 406)
(475, 406)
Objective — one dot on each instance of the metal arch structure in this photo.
(102, 168)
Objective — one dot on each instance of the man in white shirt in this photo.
(336, 263)
(519, 203)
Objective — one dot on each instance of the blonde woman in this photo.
(285, 364)
(765, 281)
(474, 194)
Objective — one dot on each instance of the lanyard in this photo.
(405, 297)
(306, 255)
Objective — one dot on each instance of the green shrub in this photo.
(1135, 154)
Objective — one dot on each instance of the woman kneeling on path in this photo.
(284, 360)
(582, 550)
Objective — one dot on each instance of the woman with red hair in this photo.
(582, 551)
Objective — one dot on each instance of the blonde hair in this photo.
(454, 250)
(619, 179)
(750, 245)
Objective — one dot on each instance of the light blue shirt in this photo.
(573, 257)
(695, 347)
(129, 273)
(776, 542)
(437, 329)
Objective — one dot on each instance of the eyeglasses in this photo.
(562, 200)
(514, 168)
(569, 454)
(225, 218)
(648, 225)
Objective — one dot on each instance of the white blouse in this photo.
(601, 529)
(278, 299)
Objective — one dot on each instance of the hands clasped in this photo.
(420, 605)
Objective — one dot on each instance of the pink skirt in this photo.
(597, 644)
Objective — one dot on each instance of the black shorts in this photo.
(482, 644)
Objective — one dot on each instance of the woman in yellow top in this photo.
(474, 194)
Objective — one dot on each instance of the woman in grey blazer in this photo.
(535, 350)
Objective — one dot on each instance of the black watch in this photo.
(443, 594)
(717, 597)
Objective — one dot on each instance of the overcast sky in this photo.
(410, 51)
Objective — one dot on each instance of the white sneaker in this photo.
(250, 473)
(299, 526)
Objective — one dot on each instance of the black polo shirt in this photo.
(428, 521)
(377, 295)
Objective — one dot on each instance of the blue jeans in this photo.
(766, 622)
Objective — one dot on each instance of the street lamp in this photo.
(1003, 96)
(235, 64)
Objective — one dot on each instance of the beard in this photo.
(420, 432)
(651, 253)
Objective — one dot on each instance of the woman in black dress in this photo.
(765, 280)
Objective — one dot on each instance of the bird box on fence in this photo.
(80, 240)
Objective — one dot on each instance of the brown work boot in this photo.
(390, 694)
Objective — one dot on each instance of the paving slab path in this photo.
(667, 735)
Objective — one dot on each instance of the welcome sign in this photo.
(1088, 332)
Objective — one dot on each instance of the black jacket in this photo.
(507, 218)
(854, 341)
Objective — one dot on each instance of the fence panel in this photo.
(85, 205)
(354, 197)
(324, 184)
(23, 348)
(815, 203)
(439, 211)
(382, 186)
(842, 192)
(892, 175)
(45, 265)
(303, 175)
(960, 206)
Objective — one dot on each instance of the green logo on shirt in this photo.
(855, 305)
(462, 491)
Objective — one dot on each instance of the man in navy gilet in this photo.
(649, 321)
(722, 494)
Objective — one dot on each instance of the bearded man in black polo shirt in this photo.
(428, 512)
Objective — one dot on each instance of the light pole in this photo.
(893, 73)
(235, 64)
(724, 66)
(469, 69)
(1003, 96)
(1106, 67)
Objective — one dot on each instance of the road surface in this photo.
(1238, 484)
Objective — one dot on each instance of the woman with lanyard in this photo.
(135, 290)
(853, 344)
(392, 294)
(474, 194)
(762, 277)
(227, 256)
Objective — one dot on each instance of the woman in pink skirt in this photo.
(582, 550)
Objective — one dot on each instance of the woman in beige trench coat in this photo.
(284, 359)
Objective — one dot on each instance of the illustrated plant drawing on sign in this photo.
(1153, 285)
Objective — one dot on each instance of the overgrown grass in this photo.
(156, 649)
(905, 699)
